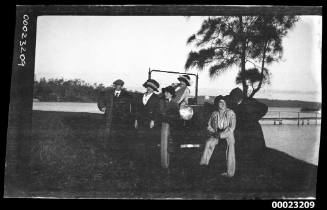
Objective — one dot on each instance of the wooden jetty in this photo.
(300, 119)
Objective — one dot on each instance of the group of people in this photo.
(148, 113)
(235, 120)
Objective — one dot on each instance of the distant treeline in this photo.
(67, 90)
(79, 91)
(305, 105)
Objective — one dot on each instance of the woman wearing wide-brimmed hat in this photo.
(168, 106)
(169, 114)
(146, 118)
(221, 125)
(147, 106)
(182, 90)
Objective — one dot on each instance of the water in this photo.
(290, 112)
(273, 112)
(301, 142)
(66, 107)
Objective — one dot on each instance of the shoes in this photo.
(225, 174)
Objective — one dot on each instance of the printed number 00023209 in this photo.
(293, 204)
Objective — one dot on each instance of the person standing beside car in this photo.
(146, 120)
(169, 114)
(116, 104)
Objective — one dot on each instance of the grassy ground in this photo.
(68, 159)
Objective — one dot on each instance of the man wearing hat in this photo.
(116, 105)
(146, 118)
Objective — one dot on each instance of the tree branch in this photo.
(262, 69)
(252, 63)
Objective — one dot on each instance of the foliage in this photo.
(65, 90)
(253, 75)
(226, 41)
(266, 34)
(218, 41)
(75, 90)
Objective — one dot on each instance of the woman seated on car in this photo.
(182, 93)
(221, 125)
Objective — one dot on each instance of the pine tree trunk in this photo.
(245, 87)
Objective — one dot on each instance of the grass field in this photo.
(68, 159)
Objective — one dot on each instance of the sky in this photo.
(101, 49)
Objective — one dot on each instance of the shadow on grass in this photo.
(68, 159)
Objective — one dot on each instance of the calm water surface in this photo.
(301, 142)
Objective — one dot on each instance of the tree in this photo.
(267, 34)
(223, 42)
(253, 76)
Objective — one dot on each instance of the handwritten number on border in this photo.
(22, 41)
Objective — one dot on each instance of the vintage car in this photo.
(191, 126)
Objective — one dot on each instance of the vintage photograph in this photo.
(184, 106)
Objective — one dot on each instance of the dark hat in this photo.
(229, 101)
(119, 82)
(186, 78)
(170, 90)
(217, 99)
(152, 84)
(236, 94)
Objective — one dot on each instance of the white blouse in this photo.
(146, 97)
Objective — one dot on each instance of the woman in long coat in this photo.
(250, 142)
(147, 120)
(169, 114)
(221, 125)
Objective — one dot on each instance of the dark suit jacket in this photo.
(118, 110)
(169, 111)
(249, 112)
(145, 113)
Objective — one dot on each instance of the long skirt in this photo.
(230, 153)
(146, 145)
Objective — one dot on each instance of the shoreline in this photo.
(285, 138)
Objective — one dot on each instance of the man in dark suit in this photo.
(146, 120)
(116, 105)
